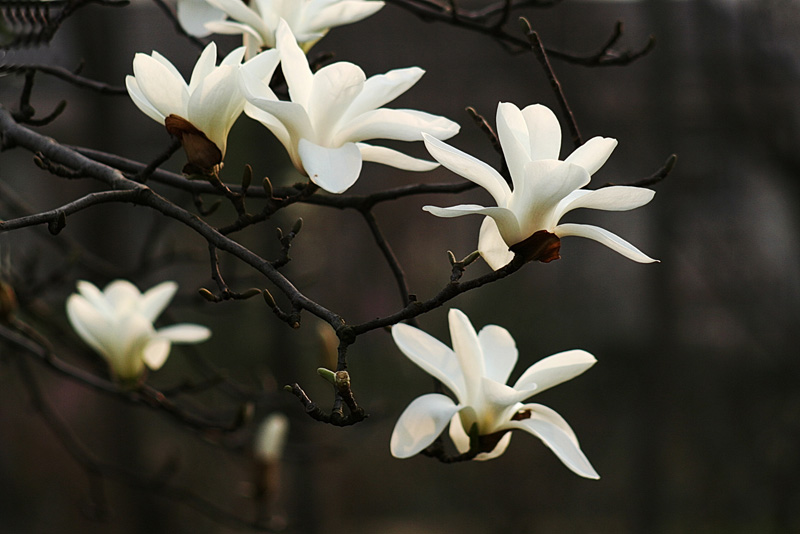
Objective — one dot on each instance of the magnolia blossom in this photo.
(544, 187)
(333, 110)
(118, 324)
(201, 113)
(309, 20)
(476, 370)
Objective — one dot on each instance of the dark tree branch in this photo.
(68, 76)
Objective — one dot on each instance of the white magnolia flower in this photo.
(544, 188)
(309, 20)
(118, 324)
(476, 371)
(333, 110)
(201, 113)
(271, 438)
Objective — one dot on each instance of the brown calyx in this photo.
(542, 246)
(203, 155)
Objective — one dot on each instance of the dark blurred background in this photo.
(692, 413)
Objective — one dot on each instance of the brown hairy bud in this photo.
(202, 153)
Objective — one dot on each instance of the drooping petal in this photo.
(292, 115)
(156, 351)
(393, 158)
(184, 333)
(593, 153)
(430, 354)
(491, 245)
(505, 219)
(470, 168)
(334, 88)
(420, 424)
(544, 132)
(603, 236)
(333, 169)
(194, 14)
(499, 352)
(343, 12)
(468, 350)
(399, 124)
(614, 198)
(156, 299)
(548, 426)
(555, 369)
(381, 89)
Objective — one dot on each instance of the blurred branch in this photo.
(69, 76)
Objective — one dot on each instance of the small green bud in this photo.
(471, 258)
(451, 257)
(327, 374)
(208, 295)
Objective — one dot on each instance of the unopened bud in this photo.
(252, 292)
(267, 185)
(298, 225)
(8, 302)
(471, 258)
(451, 257)
(269, 299)
(342, 380)
(328, 375)
(208, 295)
(247, 177)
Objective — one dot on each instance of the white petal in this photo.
(262, 67)
(185, 333)
(544, 132)
(601, 235)
(294, 65)
(216, 104)
(399, 124)
(155, 299)
(343, 12)
(165, 91)
(420, 424)
(86, 320)
(498, 450)
(237, 10)
(194, 14)
(548, 426)
(95, 297)
(461, 441)
(614, 198)
(234, 57)
(468, 350)
(253, 39)
(504, 218)
(155, 352)
(499, 352)
(393, 158)
(470, 168)
(513, 135)
(141, 101)
(122, 295)
(333, 169)
(430, 354)
(491, 245)
(383, 88)
(555, 369)
(593, 153)
(333, 90)
(205, 65)
(546, 183)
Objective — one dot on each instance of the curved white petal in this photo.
(399, 124)
(499, 352)
(216, 104)
(333, 90)
(504, 218)
(343, 12)
(491, 245)
(393, 158)
(513, 135)
(253, 40)
(381, 89)
(237, 10)
(205, 65)
(603, 236)
(141, 101)
(194, 14)
(294, 65)
(420, 424)
(156, 299)
(470, 168)
(165, 91)
(548, 426)
(184, 333)
(333, 169)
(614, 198)
(95, 297)
(86, 320)
(122, 295)
(593, 153)
(461, 441)
(555, 369)
(468, 351)
(155, 352)
(430, 354)
(290, 114)
(262, 67)
(544, 132)
(546, 183)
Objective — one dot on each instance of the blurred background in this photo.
(691, 415)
